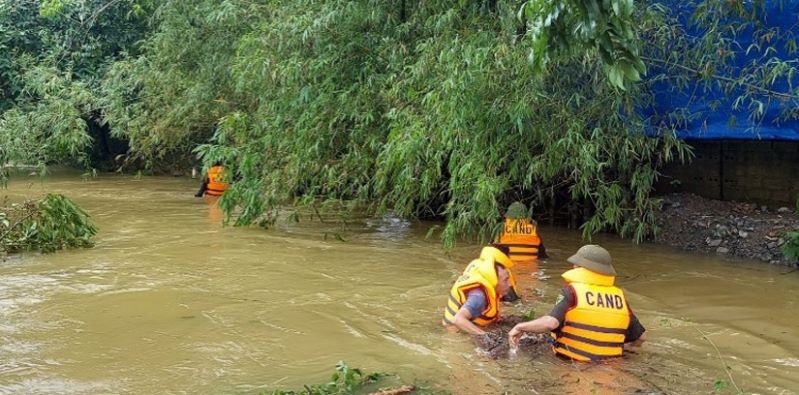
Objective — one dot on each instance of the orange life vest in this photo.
(216, 187)
(521, 237)
(595, 328)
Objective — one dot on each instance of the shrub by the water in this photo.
(46, 225)
(791, 246)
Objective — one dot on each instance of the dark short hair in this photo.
(502, 247)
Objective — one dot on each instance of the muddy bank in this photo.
(745, 230)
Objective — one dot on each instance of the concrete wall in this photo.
(764, 172)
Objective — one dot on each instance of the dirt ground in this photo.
(745, 230)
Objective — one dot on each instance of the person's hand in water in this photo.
(514, 336)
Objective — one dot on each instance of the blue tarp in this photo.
(723, 122)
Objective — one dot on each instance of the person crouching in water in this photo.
(591, 319)
(520, 235)
(213, 184)
(474, 300)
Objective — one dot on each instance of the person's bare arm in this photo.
(463, 320)
(637, 342)
(542, 324)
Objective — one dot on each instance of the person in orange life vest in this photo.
(591, 319)
(520, 234)
(473, 301)
(213, 184)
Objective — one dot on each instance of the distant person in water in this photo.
(591, 320)
(474, 300)
(213, 183)
(520, 235)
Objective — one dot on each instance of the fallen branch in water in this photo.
(395, 391)
(721, 358)
(48, 224)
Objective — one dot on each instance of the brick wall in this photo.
(764, 172)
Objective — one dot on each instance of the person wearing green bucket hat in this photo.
(591, 319)
(520, 235)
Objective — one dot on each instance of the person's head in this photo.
(593, 258)
(502, 248)
(503, 280)
(500, 253)
(516, 210)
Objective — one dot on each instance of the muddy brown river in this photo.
(171, 302)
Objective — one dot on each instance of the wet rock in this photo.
(714, 243)
(742, 234)
(783, 210)
(722, 250)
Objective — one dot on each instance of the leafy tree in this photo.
(437, 115)
(55, 54)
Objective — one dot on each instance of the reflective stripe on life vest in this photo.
(521, 237)
(595, 328)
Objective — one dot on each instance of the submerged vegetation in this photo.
(46, 225)
(346, 380)
(445, 109)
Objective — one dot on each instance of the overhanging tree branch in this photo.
(751, 86)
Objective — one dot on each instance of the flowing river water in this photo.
(171, 302)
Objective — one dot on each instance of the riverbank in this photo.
(745, 230)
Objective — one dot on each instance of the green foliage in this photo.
(790, 248)
(344, 381)
(50, 114)
(517, 210)
(442, 109)
(171, 99)
(49, 224)
(54, 55)
(605, 27)
(529, 315)
(439, 114)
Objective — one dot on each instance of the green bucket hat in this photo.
(517, 210)
(593, 258)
